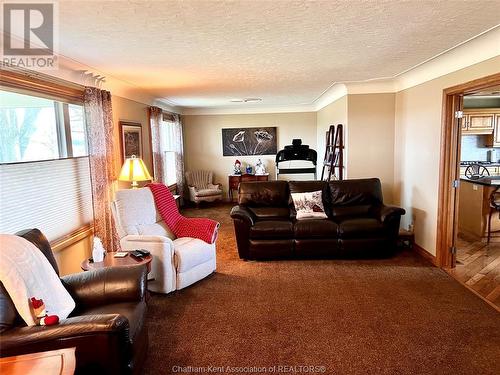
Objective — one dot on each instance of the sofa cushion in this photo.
(156, 229)
(270, 229)
(191, 252)
(270, 213)
(367, 191)
(207, 192)
(361, 228)
(263, 194)
(134, 207)
(315, 228)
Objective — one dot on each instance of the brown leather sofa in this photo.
(358, 223)
(107, 327)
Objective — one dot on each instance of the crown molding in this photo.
(247, 110)
(477, 49)
(480, 48)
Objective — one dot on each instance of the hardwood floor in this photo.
(478, 267)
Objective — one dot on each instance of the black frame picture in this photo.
(249, 141)
(131, 139)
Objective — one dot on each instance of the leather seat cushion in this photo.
(134, 311)
(361, 228)
(191, 252)
(271, 229)
(315, 228)
(208, 192)
(270, 213)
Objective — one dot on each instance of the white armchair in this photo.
(177, 262)
(201, 187)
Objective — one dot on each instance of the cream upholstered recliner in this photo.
(201, 187)
(177, 262)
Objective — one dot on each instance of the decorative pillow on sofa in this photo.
(309, 205)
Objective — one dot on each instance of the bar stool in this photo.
(494, 207)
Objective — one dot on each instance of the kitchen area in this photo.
(479, 167)
(478, 238)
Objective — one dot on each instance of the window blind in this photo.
(54, 196)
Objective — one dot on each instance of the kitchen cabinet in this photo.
(473, 210)
(494, 141)
(479, 121)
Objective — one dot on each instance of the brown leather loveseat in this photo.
(358, 223)
(107, 326)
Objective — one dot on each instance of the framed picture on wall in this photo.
(131, 139)
(249, 141)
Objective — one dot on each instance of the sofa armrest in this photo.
(243, 220)
(243, 213)
(162, 275)
(385, 213)
(107, 285)
(17, 340)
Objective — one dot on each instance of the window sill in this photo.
(66, 241)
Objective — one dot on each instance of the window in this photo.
(34, 128)
(167, 146)
(44, 167)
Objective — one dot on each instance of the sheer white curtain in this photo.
(171, 143)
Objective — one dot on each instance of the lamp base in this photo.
(135, 185)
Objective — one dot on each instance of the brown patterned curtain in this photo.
(179, 153)
(100, 134)
(155, 119)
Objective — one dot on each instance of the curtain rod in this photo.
(42, 76)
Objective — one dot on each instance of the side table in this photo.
(53, 362)
(235, 179)
(111, 261)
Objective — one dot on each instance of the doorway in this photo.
(469, 175)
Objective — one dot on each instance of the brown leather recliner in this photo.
(358, 223)
(107, 326)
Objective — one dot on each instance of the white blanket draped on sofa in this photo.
(26, 273)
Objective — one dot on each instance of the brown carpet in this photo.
(398, 315)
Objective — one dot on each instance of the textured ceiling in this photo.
(204, 53)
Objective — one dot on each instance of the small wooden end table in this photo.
(406, 238)
(111, 261)
(235, 179)
(54, 362)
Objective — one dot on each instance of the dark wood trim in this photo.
(46, 87)
(425, 254)
(447, 224)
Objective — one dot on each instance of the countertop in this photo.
(486, 181)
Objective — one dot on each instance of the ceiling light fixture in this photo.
(236, 100)
(252, 100)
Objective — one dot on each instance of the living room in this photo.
(107, 133)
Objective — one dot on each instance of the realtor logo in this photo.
(29, 38)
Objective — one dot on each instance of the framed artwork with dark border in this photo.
(130, 139)
(249, 141)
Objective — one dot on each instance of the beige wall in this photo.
(333, 114)
(203, 139)
(129, 110)
(417, 148)
(370, 139)
(69, 259)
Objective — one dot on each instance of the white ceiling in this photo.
(205, 53)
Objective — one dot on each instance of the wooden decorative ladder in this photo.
(333, 162)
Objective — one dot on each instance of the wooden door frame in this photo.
(449, 168)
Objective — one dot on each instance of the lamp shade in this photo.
(134, 170)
